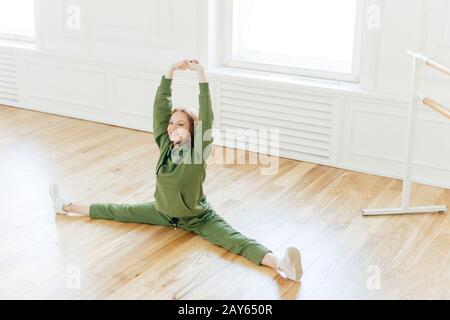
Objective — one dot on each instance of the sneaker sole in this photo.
(51, 191)
(296, 260)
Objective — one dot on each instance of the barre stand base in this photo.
(399, 211)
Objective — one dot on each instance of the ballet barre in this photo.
(415, 97)
(435, 106)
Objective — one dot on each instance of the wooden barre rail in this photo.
(439, 67)
(430, 62)
(436, 106)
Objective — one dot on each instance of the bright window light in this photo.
(303, 34)
(17, 19)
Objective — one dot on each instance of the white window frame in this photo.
(19, 37)
(229, 61)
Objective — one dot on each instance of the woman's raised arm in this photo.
(203, 132)
(162, 106)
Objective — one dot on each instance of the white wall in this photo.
(108, 71)
(374, 131)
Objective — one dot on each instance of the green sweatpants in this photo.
(208, 225)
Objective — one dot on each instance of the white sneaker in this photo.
(291, 264)
(59, 199)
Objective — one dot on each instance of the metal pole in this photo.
(411, 130)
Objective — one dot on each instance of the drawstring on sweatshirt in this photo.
(174, 222)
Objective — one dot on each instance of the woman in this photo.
(180, 173)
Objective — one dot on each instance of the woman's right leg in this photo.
(138, 213)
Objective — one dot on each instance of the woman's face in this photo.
(178, 128)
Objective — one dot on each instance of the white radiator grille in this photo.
(8, 79)
(304, 122)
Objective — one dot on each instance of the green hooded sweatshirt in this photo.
(179, 187)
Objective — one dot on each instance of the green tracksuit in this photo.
(179, 197)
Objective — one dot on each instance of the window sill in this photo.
(15, 44)
(286, 81)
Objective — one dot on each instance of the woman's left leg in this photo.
(216, 230)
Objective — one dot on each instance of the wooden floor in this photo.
(314, 207)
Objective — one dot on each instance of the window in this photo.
(17, 20)
(315, 38)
